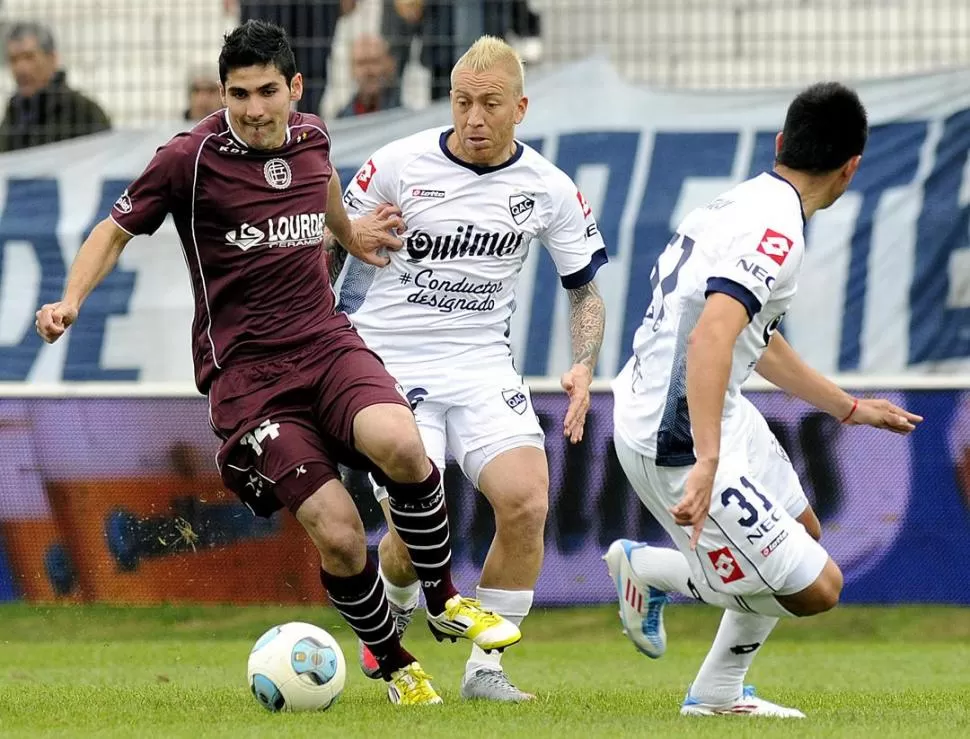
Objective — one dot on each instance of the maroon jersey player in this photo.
(292, 389)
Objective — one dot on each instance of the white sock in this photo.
(403, 596)
(739, 638)
(514, 605)
(667, 570)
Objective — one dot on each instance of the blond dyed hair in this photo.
(488, 53)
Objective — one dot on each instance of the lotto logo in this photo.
(584, 204)
(725, 565)
(775, 245)
(366, 174)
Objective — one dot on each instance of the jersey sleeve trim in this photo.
(735, 290)
(587, 273)
(115, 222)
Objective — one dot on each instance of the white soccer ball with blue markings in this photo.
(296, 667)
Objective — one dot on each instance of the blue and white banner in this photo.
(885, 288)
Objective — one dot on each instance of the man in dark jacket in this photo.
(375, 76)
(44, 109)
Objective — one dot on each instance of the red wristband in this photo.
(855, 404)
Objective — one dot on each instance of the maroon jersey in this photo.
(251, 225)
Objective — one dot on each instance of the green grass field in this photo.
(180, 672)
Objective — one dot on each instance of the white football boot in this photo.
(748, 704)
(641, 605)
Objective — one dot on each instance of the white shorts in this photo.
(475, 415)
(751, 542)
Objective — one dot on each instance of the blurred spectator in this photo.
(310, 24)
(375, 74)
(447, 28)
(203, 89)
(44, 109)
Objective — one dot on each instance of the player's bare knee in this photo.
(523, 514)
(388, 435)
(344, 557)
(343, 549)
(823, 594)
(830, 600)
(401, 455)
(824, 598)
(336, 531)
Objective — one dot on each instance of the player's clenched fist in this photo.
(53, 320)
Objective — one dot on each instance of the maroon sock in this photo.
(360, 599)
(421, 518)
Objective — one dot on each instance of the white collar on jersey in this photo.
(801, 206)
(238, 139)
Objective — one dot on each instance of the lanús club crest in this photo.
(277, 173)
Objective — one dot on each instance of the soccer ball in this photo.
(296, 667)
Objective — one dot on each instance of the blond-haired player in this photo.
(473, 199)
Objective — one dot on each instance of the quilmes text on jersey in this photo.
(465, 241)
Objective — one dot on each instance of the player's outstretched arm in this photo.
(781, 366)
(710, 351)
(95, 259)
(587, 321)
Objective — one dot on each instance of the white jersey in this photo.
(748, 243)
(448, 295)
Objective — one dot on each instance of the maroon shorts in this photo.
(287, 420)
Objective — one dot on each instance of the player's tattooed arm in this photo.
(587, 321)
(336, 255)
(587, 318)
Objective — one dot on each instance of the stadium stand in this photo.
(133, 55)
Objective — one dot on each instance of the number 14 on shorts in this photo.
(256, 438)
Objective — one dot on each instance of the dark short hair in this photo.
(825, 127)
(29, 29)
(257, 43)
